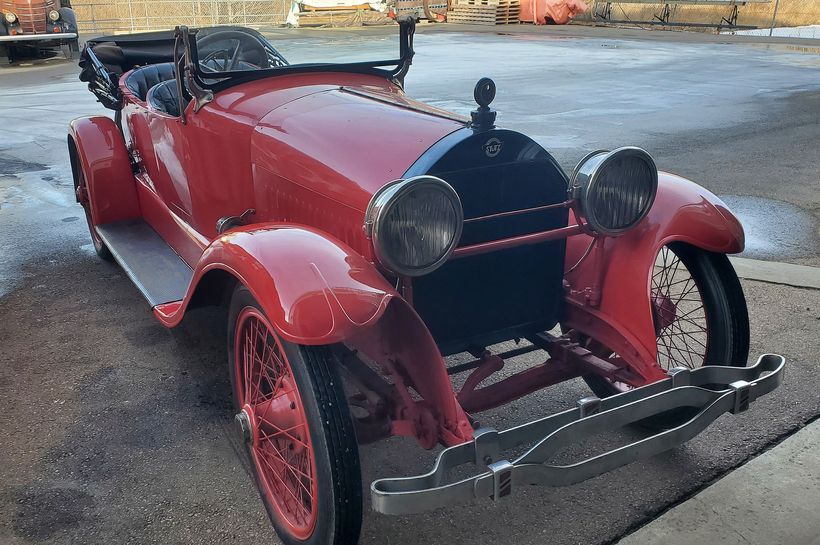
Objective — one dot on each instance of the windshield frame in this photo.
(203, 85)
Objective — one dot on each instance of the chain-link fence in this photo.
(96, 17)
(701, 13)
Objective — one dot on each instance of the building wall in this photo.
(789, 13)
(97, 16)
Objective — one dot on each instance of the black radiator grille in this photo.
(484, 299)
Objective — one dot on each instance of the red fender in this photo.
(621, 269)
(401, 343)
(99, 150)
(313, 288)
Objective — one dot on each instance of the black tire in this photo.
(332, 435)
(726, 317)
(84, 198)
(70, 48)
(68, 16)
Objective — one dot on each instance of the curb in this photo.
(770, 499)
(789, 274)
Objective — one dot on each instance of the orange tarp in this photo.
(559, 12)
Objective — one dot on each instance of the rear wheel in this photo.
(84, 198)
(698, 310)
(293, 414)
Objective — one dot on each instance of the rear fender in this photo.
(96, 147)
(618, 272)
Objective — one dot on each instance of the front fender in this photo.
(313, 288)
(618, 273)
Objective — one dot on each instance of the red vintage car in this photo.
(356, 237)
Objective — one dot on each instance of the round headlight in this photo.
(10, 17)
(54, 15)
(615, 189)
(415, 224)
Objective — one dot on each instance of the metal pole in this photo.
(774, 16)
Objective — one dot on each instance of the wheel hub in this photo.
(243, 419)
(664, 312)
(283, 412)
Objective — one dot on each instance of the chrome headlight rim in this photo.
(10, 17)
(587, 175)
(386, 198)
(54, 16)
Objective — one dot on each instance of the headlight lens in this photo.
(54, 15)
(10, 17)
(415, 224)
(615, 189)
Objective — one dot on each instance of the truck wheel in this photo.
(84, 198)
(70, 17)
(294, 418)
(70, 48)
(699, 313)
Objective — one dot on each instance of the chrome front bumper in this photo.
(712, 390)
(39, 37)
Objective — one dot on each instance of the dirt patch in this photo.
(41, 513)
(11, 165)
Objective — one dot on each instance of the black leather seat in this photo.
(144, 78)
(164, 97)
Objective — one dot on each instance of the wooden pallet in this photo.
(307, 7)
(485, 12)
(415, 8)
(342, 18)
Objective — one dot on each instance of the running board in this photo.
(157, 271)
(712, 390)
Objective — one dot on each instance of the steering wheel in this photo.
(226, 59)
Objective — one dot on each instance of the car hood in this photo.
(318, 159)
(346, 142)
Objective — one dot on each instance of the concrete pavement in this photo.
(773, 499)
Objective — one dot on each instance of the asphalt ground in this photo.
(116, 430)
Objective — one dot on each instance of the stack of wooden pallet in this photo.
(342, 18)
(484, 12)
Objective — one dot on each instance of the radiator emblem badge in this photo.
(492, 147)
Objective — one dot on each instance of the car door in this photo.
(169, 163)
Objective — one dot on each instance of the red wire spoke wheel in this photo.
(293, 416)
(273, 414)
(678, 313)
(698, 310)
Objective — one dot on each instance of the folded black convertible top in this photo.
(122, 52)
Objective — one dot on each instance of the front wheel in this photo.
(294, 417)
(698, 310)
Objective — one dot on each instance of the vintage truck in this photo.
(29, 26)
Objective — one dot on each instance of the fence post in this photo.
(774, 16)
